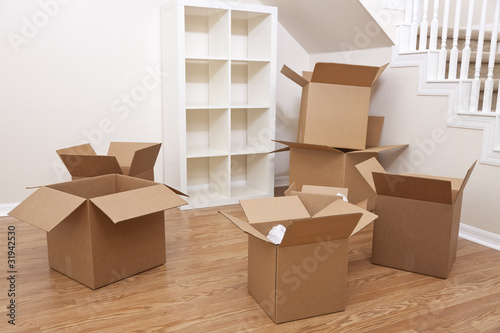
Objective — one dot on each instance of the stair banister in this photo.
(476, 83)
(434, 26)
(488, 87)
(452, 74)
(443, 52)
(464, 70)
(424, 26)
(414, 26)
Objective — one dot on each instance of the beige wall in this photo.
(435, 149)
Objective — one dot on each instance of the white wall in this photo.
(77, 71)
(435, 149)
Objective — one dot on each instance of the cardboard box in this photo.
(419, 219)
(135, 159)
(334, 104)
(326, 166)
(101, 229)
(305, 275)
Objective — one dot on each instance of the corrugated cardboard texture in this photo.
(311, 280)
(414, 235)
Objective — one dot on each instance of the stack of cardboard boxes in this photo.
(336, 152)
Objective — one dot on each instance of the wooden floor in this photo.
(203, 288)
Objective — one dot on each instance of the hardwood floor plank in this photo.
(203, 288)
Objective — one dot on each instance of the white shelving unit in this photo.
(219, 66)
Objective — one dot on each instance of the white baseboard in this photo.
(281, 181)
(6, 208)
(480, 236)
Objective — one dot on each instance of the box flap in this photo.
(85, 149)
(374, 131)
(344, 74)
(274, 209)
(314, 202)
(328, 190)
(342, 207)
(280, 150)
(377, 149)
(138, 202)
(467, 176)
(139, 156)
(176, 191)
(307, 75)
(46, 208)
(416, 188)
(290, 189)
(245, 227)
(366, 169)
(315, 230)
(292, 75)
(308, 146)
(90, 165)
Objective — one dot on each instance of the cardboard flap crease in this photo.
(46, 208)
(245, 227)
(139, 202)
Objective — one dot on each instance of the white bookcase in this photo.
(219, 78)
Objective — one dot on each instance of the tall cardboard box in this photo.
(419, 219)
(306, 274)
(312, 164)
(135, 159)
(334, 104)
(101, 229)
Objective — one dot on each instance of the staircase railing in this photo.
(460, 19)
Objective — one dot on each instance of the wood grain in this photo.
(203, 288)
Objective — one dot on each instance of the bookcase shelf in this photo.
(219, 100)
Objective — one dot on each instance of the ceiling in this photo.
(323, 26)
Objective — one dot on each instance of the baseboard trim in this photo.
(281, 181)
(480, 236)
(6, 208)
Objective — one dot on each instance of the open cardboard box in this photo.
(334, 104)
(419, 219)
(327, 166)
(101, 229)
(306, 274)
(135, 159)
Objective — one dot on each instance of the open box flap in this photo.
(144, 159)
(366, 169)
(138, 202)
(246, 227)
(328, 190)
(292, 75)
(135, 156)
(274, 209)
(319, 229)
(90, 165)
(374, 131)
(342, 207)
(377, 149)
(416, 188)
(467, 176)
(46, 208)
(314, 202)
(344, 74)
(280, 150)
(85, 149)
(309, 146)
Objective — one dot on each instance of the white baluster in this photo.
(434, 26)
(476, 83)
(498, 102)
(452, 74)
(443, 52)
(488, 87)
(408, 11)
(424, 25)
(414, 26)
(464, 70)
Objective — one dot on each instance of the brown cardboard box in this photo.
(135, 159)
(326, 166)
(419, 218)
(334, 104)
(305, 275)
(101, 229)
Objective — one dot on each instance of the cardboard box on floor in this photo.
(305, 275)
(101, 229)
(419, 219)
(135, 159)
(334, 104)
(327, 166)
